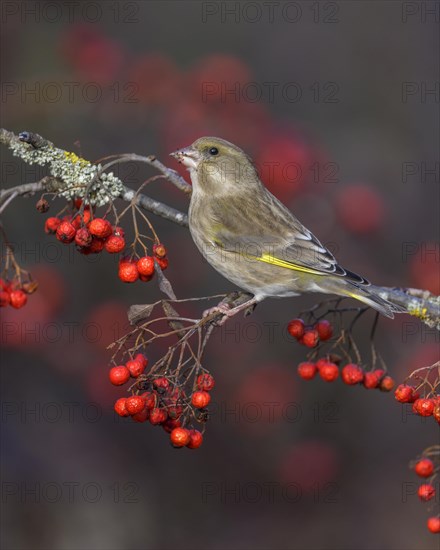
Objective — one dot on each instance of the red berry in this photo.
(135, 404)
(424, 467)
(120, 407)
(310, 338)
(145, 266)
(119, 375)
(404, 393)
(205, 382)
(163, 263)
(119, 232)
(180, 437)
(170, 424)
(161, 383)
(436, 413)
(114, 244)
(321, 362)
(371, 380)
(296, 328)
(434, 524)
(135, 367)
(128, 272)
(96, 246)
(17, 298)
(200, 399)
(426, 492)
(325, 329)
(352, 374)
(158, 416)
(195, 439)
(329, 372)
(141, 416)
(142, 359)
(387, 383)
(159, 250)
(42, 206)
(423, 407)
(100, 228)
(65, 232)
(51, 225)
(83, 237)
(145, 278)
(307, 370)
(150, 399)
(5, 298)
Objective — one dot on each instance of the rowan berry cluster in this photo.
(423, 406)
(14, 293)
(163, 402)
(329, 369)
(93, 235)
(330, 366)
(427, 467)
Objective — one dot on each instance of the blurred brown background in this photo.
(348, 92)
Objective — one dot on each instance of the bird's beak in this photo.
(188, 156)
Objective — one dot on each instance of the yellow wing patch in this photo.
(268, 259)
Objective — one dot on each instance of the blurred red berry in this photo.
(424, 467)
(325, 329)
(426, 492)
(423, 407)
(17, 298)
(51, 225)
(371, 380)
(195, 439)
(158, 416)
(434, 524)
(119, 375)
(329, 372)
(170, 424)
(100, 228)
(200, 399)
(296, 328)
(65, 232)
(142, 359)
(120, 408)
(141, 416)
(205, 382)
(159, 250)
(352, 374)
(42, 206)
(128, 272)
(436, 412)
(161, 383)
(307, 370)
(163, 263)
(387, 383)
(5, 298)
(135, 404)
(114, 244)
(404, 393)
(96, 246)
(150, 399)
(310, 338)
(180, 437)
(135, 367)
(360, 209)
(145, 266)
(83, 237)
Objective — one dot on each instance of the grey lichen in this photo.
(76, 175)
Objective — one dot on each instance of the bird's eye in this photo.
(213, 151)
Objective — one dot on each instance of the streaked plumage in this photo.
(252, 239)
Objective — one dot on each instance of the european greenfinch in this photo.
(252, 239)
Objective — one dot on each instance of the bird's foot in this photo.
(223, 308)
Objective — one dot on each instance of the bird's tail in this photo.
(370, 295)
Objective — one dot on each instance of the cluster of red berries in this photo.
(92, 236)
(310, 335)
(130, 270)
(351, 374)
(13, 293)
(161, 402)
(425, 468)
(423, 406)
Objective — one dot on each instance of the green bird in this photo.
(253, 240)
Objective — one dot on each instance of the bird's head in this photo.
(217, 166)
